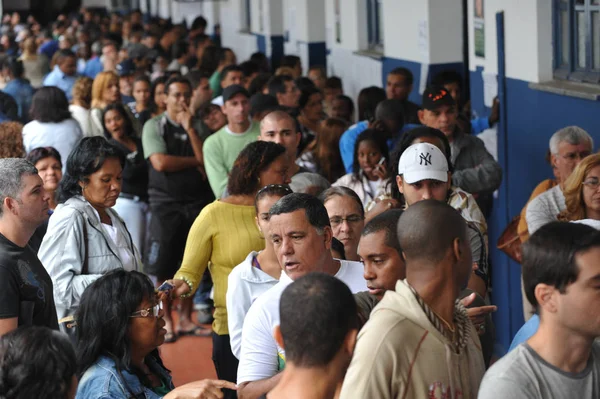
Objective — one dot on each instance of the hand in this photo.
(204, 389)
(181, 288)
(381, 205)
(380, 171)
(495, 114)
(377, 125)
(478, 314)
(184, 118)
(202, 172)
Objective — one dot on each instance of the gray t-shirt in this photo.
(523, 374)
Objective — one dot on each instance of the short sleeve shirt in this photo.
(25, 287)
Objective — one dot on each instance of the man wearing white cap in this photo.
(423, 174)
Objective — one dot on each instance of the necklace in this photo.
(448, 326)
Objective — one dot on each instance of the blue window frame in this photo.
(577, 40)
(374, 24)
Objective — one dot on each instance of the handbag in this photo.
(510, 242)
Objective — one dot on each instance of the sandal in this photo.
(170, 337)
(196, 332)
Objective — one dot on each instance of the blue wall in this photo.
(387, 64)
(276, 47)
(532, 117)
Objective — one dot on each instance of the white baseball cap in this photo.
(423, 161)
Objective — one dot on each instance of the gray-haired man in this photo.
(26, 296)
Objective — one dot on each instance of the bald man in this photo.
(281, 128)
(419, 342)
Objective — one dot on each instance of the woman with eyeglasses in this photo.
(582, 194)
(223, 235)
(119, 329)
(258, 272)
(347, 216)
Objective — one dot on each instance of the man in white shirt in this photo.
(561, 274)
(301, 235)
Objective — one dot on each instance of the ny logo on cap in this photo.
(425, 158)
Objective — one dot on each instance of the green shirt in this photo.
(220, 152)
(215, 84)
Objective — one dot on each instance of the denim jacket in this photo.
(101, 381)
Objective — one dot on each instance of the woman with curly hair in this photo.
(582, 196)
(11, 140)
(223, 235)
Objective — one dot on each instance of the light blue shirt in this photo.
(526, 332)
(59, 79)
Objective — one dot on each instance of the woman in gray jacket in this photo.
(85, 237)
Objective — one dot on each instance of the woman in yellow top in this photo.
(223, 235)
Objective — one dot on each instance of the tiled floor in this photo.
(189, 359)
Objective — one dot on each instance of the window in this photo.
(577, 40)
(375, 25)
(338, 21)
(247, 22)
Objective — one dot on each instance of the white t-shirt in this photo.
(261, 357)
(63, 136)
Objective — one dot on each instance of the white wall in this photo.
(401, 19)
(528, 39)
(445, 31)
(231, 16)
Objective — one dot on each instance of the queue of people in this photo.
(157, 175)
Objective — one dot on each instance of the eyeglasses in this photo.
(572, 156)
(150, 312)
(352, 219)
(592, 183)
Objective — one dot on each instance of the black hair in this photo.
(195, 77)
(120, 108)
(230, 68)
(315, 211)
(319, 68)
(306, 94)
(49, 105)
(390, 110)
(249, 68)
(210, 59)
(406, 140)
(206, 109)
(387, 222)
(549, 256)
(289, 61)
(199, 23)
(406, 73)
(272, 190)
(36, 362)
(177, 79)
(261, 60)
(347, 100)
(303, 83)
(377, 138)
(367, 102)
(317, 312)
(277, 84)
(252, 160)
(103, 320)
(64, 53)
(341, 191)
(223, 53)
(15, 66)
(86, 158)
(39, 153)
(179, 49)
(333, 82)
(142, 78)
(446, 77)
(258, 83)
(337, 246)
(199, 39)
(158, 81)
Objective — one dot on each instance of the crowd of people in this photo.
(146, 171)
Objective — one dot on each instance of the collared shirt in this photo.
(59, 79)
(246, 283)
(93, 67)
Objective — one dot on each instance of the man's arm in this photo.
(7, 325)
(255, 389)
(216, 171)
(172, 163)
